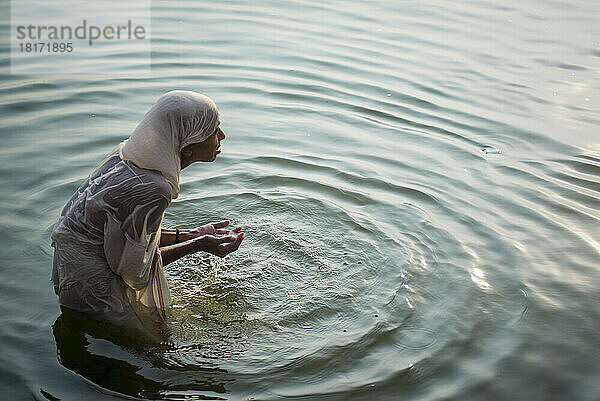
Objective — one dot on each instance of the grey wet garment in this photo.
(106, 256)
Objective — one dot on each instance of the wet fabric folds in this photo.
(106, 241)
(107, 256)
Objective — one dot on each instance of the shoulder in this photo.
(154, 187)
(141, 199)
(130, 187)
(159, 184)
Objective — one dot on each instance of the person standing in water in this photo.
(109, 247)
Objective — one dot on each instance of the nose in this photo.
(221, 134)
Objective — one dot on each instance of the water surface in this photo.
(387, 255)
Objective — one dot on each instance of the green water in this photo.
(387, 257)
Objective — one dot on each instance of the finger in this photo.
(235, 245)
(219, 240)
(221, 231)
(227, 248)
(237, 229)
(221, 224)
(226, 239)
(240, 239)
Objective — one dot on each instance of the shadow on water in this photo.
(129, 361)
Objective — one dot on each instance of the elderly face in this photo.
(205, 151)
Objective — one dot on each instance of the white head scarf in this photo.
(177, 119)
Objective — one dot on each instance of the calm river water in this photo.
(419, 182)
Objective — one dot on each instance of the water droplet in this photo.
(491, 151)
(389, 95)
(587, 99)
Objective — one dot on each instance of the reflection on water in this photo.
(128, 360)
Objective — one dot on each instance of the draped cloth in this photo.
(106, 241)
(177, 119)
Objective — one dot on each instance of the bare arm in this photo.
(168, 235)
(173, 252)
(217, 245)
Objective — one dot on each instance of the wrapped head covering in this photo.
(177, 119)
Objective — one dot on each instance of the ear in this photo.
(186, 151)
